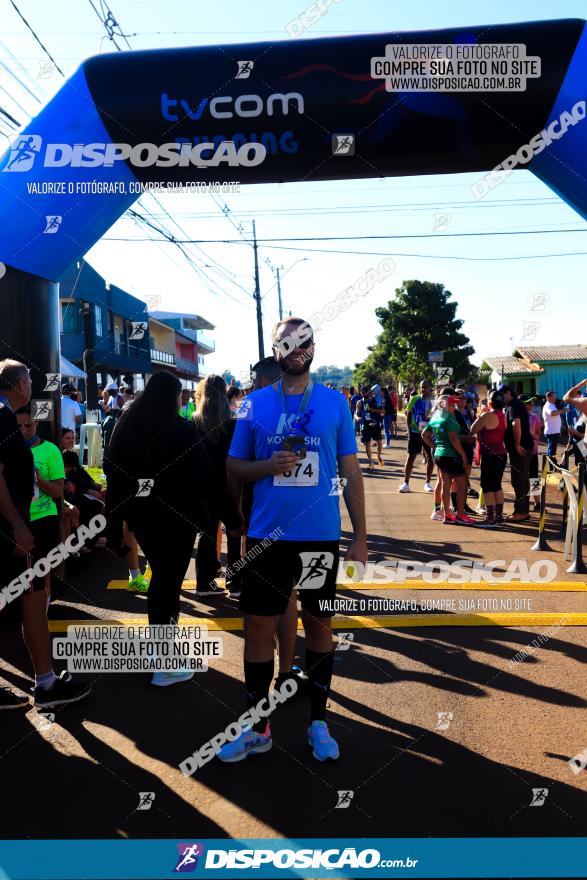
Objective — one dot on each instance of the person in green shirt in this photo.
(49, 477)
(443, 434)
(187, 408)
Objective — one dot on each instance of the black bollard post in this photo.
(578, 566)
(541, 543)
(565, 511)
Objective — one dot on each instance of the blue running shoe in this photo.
(324, 747)
(176, 676)
(248, 743)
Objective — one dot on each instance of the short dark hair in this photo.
(549, 392)
(267, 368)
(70, 458)
(65, 430)
(496, 400)
(232, 391)
(10, 373)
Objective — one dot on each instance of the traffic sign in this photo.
(435, 357)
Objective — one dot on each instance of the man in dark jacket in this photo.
(519, 444)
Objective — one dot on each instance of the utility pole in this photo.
(258, 297)
(279, 295)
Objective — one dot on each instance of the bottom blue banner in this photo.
(446, 857)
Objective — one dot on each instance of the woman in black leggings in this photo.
(162, 483)
(214, 420)
(490, 429)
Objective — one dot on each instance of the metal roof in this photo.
(202, 323)
(512, 366)
(538, 353)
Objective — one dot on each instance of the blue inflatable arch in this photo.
(202, 114)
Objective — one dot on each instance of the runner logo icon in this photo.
(315, 567)
(343, 145)
(244, 69)
(189, 853)
(23, 152)
(539, 796)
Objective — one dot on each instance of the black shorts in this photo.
(46, 534)
(11, 565)
(492, 468)
(448, 464)
(370, 432)
(272, 568)
(417, 445)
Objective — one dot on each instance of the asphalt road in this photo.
(440, 733)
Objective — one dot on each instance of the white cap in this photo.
(111, 387)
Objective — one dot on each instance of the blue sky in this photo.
(494, 291)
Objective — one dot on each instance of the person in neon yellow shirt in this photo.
(49, 478)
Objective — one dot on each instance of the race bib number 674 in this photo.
(306, 472)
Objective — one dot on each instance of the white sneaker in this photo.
(404, 487)
(437, 515)
(428, 487)
(387, 446)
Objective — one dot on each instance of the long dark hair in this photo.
(150, 414)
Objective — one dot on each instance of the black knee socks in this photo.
(319, 665)
(258, 677)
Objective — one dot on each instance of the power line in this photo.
(106, 17)
(44, 48)
(370, 237)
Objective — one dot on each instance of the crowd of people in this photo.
(261, 463)
(266, 471)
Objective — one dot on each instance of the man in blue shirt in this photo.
(296, 442)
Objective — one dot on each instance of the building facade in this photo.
(540, 368)
(106, 320)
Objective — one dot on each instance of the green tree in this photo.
(337, 375)
(419, 320)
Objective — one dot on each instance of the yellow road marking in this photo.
(415, 584)
(400, 621)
